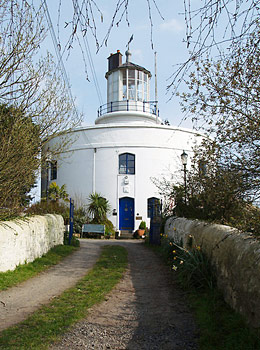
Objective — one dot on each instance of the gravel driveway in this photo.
(145, 311)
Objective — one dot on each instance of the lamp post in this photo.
(184, 158)
(47, 182)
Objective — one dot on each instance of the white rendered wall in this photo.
(25, 240)
(92, 166)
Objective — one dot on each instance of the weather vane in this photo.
(131, 39)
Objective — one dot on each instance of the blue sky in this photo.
(168, 35)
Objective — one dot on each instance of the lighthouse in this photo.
(126, 149)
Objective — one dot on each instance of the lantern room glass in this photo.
(135, 85)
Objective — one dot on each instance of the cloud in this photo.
(172, 25)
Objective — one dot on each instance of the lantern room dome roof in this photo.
(129, 65)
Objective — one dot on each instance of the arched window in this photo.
(126, 163)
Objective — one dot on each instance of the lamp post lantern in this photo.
(184, 159)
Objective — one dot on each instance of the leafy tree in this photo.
(29, 82)
(98, 207)
(34, 103)
(225, 95)
(19, 158)
(215, 193)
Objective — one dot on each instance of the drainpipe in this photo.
(94, 171)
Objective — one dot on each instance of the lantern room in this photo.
(128, 93)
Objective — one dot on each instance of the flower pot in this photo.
(140, 232)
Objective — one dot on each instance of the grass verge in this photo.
(24, 272)
(220, 327)
(51, 321)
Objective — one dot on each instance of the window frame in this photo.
(124, 167)
(135, 85)
(54, 170)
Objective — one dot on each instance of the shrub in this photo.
(51, 207)
(109, 227)
(98, 207)
(80, 218)
(56, 193)
(74, 241)
(142, 225)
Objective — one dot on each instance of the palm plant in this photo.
(98, 207)
(56, 192)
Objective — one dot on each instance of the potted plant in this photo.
(141, 229)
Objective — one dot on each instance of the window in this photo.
(140, 86)
(135, 85)
(124, 85)
(131, 85)
(126, 163)
(54, 170)
(146, 92)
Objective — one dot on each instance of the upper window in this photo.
(54, 170)
(127, 163)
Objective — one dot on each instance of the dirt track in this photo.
(17, 303)
(145, 311)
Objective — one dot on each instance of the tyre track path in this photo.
(146, 310)
(18, 302)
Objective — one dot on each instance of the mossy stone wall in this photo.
(235, 257)
(24, 240)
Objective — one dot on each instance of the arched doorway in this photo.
(126, 213)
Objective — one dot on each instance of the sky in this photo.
(168, 35)
(168, 42)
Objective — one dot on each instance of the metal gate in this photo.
(155, 223)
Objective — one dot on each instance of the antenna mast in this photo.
(155, 83)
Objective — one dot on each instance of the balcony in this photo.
(149, 107)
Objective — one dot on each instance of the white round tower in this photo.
(127, 148)
(128, 94)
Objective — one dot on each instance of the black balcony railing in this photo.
(129, 105)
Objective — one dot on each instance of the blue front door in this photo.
(126, 213)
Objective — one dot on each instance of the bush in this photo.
(51, 207)
(74, 241)
(80, 218)
(142, 225)
(109, 228)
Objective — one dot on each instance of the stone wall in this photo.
(24, 240)
(235, 257)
